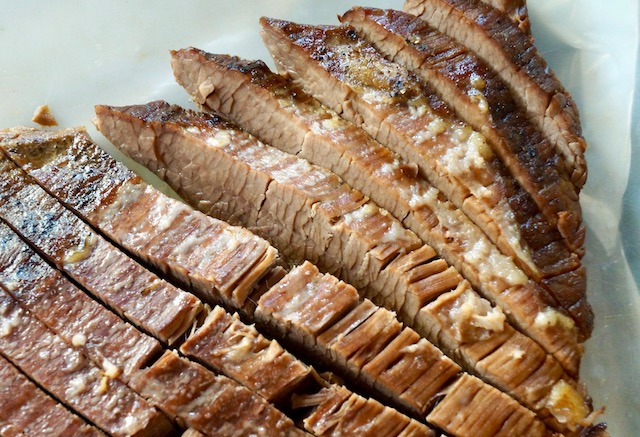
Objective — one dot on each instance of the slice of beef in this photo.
(516, 10)
(483, 100)
(342, 413)
(513, 56)
(26, 410)
(396, 109)
(212, 404)
(129, 289)
(404, 282)
(69, 312)
(299, 124)
(239, 351)
(189, 246)
(69, 376)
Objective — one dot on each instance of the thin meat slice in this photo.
(296, 123)
(166, 233)
(501, 44)
(390, 104)
(338, 412)
(69, 376)
(482, 99)
(26, 410)
(406, 283)
(239, 351)
(80, 321)
(212, 404)
(135, 293)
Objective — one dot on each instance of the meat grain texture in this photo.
(398, 207)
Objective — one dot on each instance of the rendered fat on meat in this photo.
(69, 376)
(26, 410)
(300, 125)
(515, 59)
(212, 404)
(199, 135)
(393, 106)
(221, 261)
(116, 345)
(486, 103)
(240, 352)
(124, 285)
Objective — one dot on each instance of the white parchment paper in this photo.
(74, 54)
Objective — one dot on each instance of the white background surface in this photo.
(75, 54)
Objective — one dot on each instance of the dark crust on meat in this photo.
(490, 33)
(531, 159)
(327, 46)
(516, 10)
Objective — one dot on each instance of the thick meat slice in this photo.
(212, 404)
(80, 321)
(71, 378)
(516, 10)
(298, 124)
(129, 289)
(401, 282)
(186, 244)
(342, 413)
(26, 410)
(512, 55)
(483, 100)
(240, 352)
(388, 102)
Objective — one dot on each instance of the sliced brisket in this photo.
(300, 125)
(186, 244)
(514, 58)
(69, 376)
(212, 404)
(26, 410)
(69, 312)
(295, 204)
(129, 289)
(393, 106)
(482, 99)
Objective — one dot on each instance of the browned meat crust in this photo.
(390, 105)
(26, 410)
(512, 55)
(516, 10)
(71, 378)
(480, 97)
(69, 312)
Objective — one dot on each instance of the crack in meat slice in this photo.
(74, 380)
(26, 410)
(212, 404)
(115, 345)
(515, 59)
(227, 345)
(133, 292)
(400, 283)
(516, 10)
(482, 99)
(166, 233)
(390, 104)
(312, 131)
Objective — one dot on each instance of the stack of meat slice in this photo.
(415, 179)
